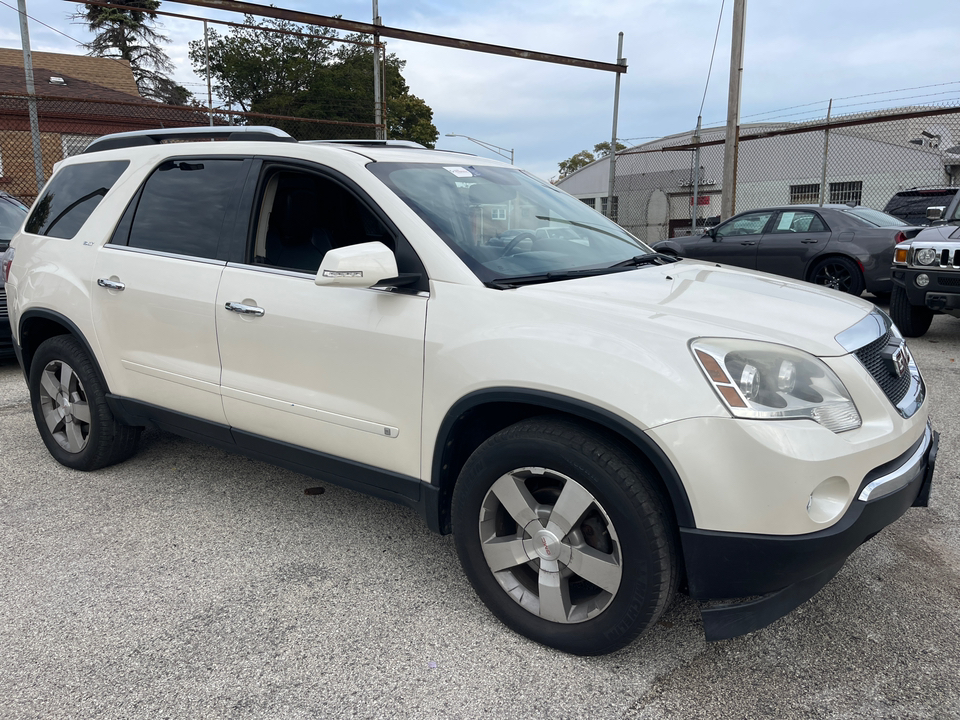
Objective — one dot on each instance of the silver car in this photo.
(838, 246)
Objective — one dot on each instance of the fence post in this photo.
(31, 92)
(826, 150)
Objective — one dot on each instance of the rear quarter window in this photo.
(72, 196)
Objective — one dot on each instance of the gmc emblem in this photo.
(895, 357)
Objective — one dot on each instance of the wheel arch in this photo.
(38, 325)
(830, 255)
(477, 416)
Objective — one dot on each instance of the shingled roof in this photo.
(90, 78)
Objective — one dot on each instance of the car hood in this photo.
(938, 233)
(692, 299)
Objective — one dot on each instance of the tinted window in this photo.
(182, 207)
(71, 196)
(911, 205)
(302, 216)
(869, 216)
(11, 217)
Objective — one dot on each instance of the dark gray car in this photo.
(838, 246)
(12, 214)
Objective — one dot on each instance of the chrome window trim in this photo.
(306, 276)
(902, 476)
(160, 253)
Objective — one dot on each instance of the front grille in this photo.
(895, 388)
(948, 281)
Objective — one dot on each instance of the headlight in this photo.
(764, 381)
(926, 256)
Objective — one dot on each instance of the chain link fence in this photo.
(672, 186)
(68, 125)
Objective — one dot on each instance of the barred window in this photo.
(589, 201)
(804, 194)
(613, 207)
(846, 192)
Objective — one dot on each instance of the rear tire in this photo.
(71, 411)
(912, 320)
(564, 537)
(839, 273)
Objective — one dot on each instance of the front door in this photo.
(792, 241)
(734, 242)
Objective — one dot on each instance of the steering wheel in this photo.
(516, 241)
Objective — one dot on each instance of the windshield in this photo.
(506, 224)
(875, 217)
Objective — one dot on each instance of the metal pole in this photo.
(206, 54)
(826, 148)
(377, 87)
(694, 212)
(729, 198)
(31, 92)
(613, 136)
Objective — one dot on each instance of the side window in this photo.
(749, 224)
(303, 215)
(71, 197)
(802, 222)
(181, 207)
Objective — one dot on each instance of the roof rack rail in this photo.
(374, 143)
(154, 137)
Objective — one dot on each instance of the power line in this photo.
(712, 54)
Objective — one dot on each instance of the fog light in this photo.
(828, 500)
(923, 280)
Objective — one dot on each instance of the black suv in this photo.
(926, 273)
(911, 205)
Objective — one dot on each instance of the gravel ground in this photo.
(190, 583)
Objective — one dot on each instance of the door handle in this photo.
(808, 241)
(244, 309)
(749, 242)
(110, 284)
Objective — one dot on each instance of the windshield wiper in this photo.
(507, 283)
(648, 259)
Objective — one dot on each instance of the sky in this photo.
(796, 54)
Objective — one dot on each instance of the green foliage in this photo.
(310, 77)
(571, 165)
(585, 157)
(129, 35)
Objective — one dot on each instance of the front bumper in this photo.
(789, 569)
(942, 293)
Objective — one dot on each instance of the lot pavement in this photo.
(189, 583)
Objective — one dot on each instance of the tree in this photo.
(602, 149)
(129, 35)
(585, 157)
(571, 165)
(301, 76)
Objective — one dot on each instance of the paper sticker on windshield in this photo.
(459, 171)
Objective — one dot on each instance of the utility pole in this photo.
(31, 92)
(826, 154)
(731, 146)
(621, 60)
(377, 87)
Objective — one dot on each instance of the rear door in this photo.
(793, 239)
(157, 279)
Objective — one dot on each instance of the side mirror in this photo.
(712, 233)
(362, 265)
(935, 212)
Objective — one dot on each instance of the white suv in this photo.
(597, 424)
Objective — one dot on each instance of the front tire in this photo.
(71, 411)
(564, 537)
(912, 320)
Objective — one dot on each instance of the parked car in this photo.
(597, 424)
(837, 246)
(12, 214)
(926, 274)
(912, 205)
